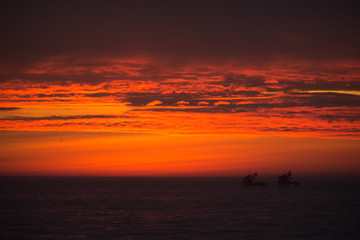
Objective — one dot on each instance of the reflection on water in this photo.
(170, 208)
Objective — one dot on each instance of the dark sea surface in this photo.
(177, 208)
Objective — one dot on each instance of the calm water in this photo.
(155, 208)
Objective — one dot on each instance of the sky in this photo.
(185, 88)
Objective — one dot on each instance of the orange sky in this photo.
(214, 120)
(105, 154)
(178, 90)
(217, 120)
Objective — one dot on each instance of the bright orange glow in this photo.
(171, 155)
(142, 117)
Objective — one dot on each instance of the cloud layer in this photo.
(179, 67)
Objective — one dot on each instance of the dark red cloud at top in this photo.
(180, 31)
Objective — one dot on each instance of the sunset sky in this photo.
(192, 88)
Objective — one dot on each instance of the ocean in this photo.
(177, 208)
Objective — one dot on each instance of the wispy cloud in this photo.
(9, 108)
(22, 118)
(154, 103)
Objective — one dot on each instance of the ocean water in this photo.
(177, 208)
